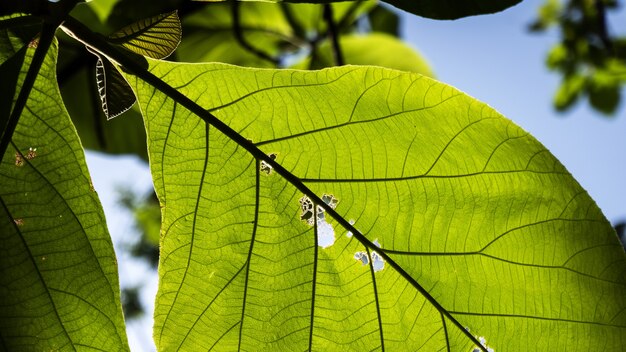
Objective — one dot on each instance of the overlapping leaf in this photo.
(58, 274)
(156, 37)
(483, 232)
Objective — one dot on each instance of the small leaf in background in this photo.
(115, 93)
(390, 52)
(156, 37)
(465, 230)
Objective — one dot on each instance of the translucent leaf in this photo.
(58, 273)
(357, 50)
(156, 37)
(115, 93)
(482, 232)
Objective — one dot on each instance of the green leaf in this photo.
(209, 34)
(438, 9)
(58, 273)
(123, 135)
(390, 52)
(156, 37)
(115, 93)
(482, 232)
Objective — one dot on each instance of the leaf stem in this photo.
(45, 40)
(333, 35)
(82, 33)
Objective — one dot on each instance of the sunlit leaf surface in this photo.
(156, 37)
(58, 273)
(468, 208)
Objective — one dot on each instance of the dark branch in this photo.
(242, 40)
(333, 35)
(43, 44)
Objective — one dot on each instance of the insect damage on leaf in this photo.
(19, 222)
(325, 231)
(265, 167)
(306, 204)
(483, 342)
(362, 257)
(349, 233)
(19, 160)
(378, 263)
(32, 153)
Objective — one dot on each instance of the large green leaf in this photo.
(483, 233)
(58, 273)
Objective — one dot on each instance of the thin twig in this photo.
(602, 26)
(345, 20)
(333, 35)
(291, 19)
(242, 40)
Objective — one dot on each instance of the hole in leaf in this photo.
(265, 167)
(306, 204)
(483, 342)
(330, 200)
(349, 234)
(19, 222)
(362, 257)
(377, 262)
(325, 231)
(325, 234)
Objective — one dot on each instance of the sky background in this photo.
(493, 58)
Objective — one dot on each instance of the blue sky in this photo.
(493, 58)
